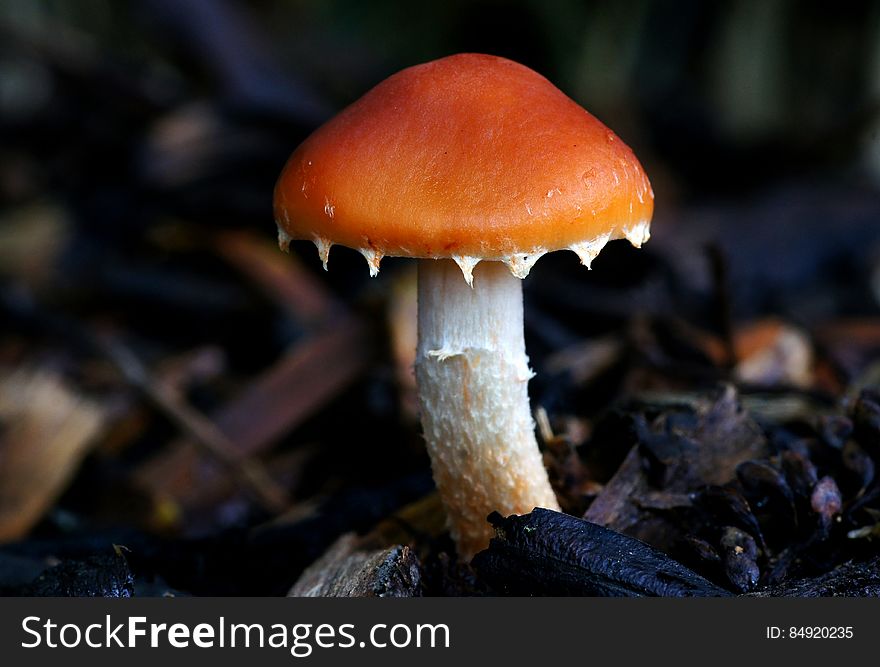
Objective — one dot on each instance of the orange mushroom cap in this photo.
(468, 157)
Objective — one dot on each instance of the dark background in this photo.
(139, 144)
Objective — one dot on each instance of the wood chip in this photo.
(348, 569)
(47, 431)
(773, 352)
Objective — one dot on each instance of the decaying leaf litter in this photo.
(711, 400)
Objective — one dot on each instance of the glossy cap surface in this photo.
(469, 157)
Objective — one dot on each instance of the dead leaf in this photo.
(47, 431)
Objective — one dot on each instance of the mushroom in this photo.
(477, 166)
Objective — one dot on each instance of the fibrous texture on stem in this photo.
(473, 373)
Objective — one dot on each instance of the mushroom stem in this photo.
(472, 373)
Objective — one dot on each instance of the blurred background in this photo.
(171, 382)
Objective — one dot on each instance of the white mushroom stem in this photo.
(472, 373)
